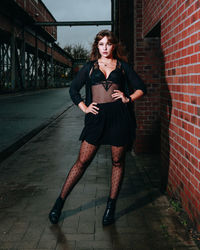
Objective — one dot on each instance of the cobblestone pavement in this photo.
(30, 181)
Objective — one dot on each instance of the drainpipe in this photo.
(115, 17)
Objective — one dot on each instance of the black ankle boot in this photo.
(55, 212)
(108, 217)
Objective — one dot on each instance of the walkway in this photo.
(30, 181)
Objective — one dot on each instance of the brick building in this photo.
(29, 55)
(164, 40)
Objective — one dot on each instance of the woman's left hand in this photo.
(119, 95)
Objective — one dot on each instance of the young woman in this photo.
(111, 84)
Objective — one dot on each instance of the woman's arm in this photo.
(135, 82)
(120, 95)
(136, 95)
(92, 108)
(76, 85)
(78, 82)
(82, 106)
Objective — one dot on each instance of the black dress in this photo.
(113, 125)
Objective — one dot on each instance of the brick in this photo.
(179, 37)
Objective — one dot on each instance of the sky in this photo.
(79, 10)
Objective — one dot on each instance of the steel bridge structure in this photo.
(30, 58)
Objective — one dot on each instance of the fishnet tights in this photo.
(86, 155)
(118, 158)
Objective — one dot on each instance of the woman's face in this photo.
(105, 47)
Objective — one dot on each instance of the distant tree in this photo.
(77, 51)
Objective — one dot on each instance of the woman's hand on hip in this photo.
(119, 95)
(92, 108)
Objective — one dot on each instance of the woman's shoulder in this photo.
(125, 64)
(86, 66)
(89, 64)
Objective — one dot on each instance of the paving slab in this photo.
(31, 178)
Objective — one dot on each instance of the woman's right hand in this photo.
(92, 108)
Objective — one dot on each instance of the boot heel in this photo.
(55, 212)
(108, 217)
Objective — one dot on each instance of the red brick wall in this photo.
(60, 58)
(38, 11)
(147, 63)
(179, 92)
(148, 108)
(125, 15)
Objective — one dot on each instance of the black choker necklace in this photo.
(105, 64)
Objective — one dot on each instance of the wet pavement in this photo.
(30, 181)
(22, 115)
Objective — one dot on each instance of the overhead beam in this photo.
(75, 23)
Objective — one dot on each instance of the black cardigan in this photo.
(132, 82)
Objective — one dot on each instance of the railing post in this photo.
(36, 61)
(13, 62)
(23, 60)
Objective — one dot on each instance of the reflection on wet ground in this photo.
(30, 181)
